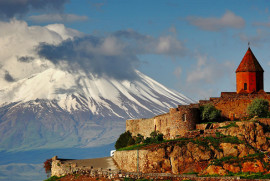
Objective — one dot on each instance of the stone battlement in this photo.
(179, 121)
(172, 124)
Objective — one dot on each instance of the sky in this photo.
(193, 47)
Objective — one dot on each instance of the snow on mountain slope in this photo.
(81, 91)
(56, 108)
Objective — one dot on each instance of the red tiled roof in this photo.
(249, 63)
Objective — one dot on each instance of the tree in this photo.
(48, 165)
(123, 140)
(139, 139)
(131, 141)
(209, 113)
(258, 107)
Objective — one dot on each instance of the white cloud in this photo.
(146, 44)
(228, 20)
(26, 50)
(59, 18)
(17, 41)
(258, 39)
(207, 70)
(207, 76)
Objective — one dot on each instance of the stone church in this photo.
(233, 105)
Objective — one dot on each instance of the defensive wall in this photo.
(184, 118)
(234, 106)
(172, 124)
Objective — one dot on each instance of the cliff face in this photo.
(235, 147)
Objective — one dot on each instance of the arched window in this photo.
(245, 86)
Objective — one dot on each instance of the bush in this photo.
(47, 165)
(139, 139)
(156, 137)
(147, 140)
(131, 141)
(209, 113)
(160, 137)
(258, 107)
(123, 140)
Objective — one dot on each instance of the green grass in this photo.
(53, 178)
(246, 175)
(231, 159)
(132, 147)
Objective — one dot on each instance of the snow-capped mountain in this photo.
(56, 108)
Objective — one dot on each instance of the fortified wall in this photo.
(184, 118)
(175, 123)
(233, 106)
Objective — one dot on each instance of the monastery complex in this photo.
(233, 105)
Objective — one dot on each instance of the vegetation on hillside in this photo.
(126, 141)
(258, 107)
(209, 113)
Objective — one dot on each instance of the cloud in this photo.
(258, 39)
(266, 24)
(113, 56)
(205, 73)
(26, 59)
(145, 44)
(98, 6)
(98, 56)
(18, 8)
(17, 41)
(207, 70)
(228, 20)
(59, 18)
(27, 50)
(8, 77)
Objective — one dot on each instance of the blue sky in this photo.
(193, 46)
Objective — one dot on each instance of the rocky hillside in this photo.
(228, 148)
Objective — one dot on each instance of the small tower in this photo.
(249, 74)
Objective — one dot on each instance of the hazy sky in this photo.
(191, 46)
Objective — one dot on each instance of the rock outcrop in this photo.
(235, 147)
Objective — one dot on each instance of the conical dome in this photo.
(249, 63)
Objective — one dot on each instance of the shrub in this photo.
(123, 140)
(139, 139)
(209, 113)
(47, 165)
(258, 107)
(147, 140)
(153, 134)
(131, 141)
(156, 137)
(160, 137)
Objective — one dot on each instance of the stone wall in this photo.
(128, 160)
(234, 106)
(184, 118)
(175, 123)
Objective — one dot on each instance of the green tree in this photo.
(123, 140)
(210, 113)
(139, 139)
(131, 141)
(258, 107)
